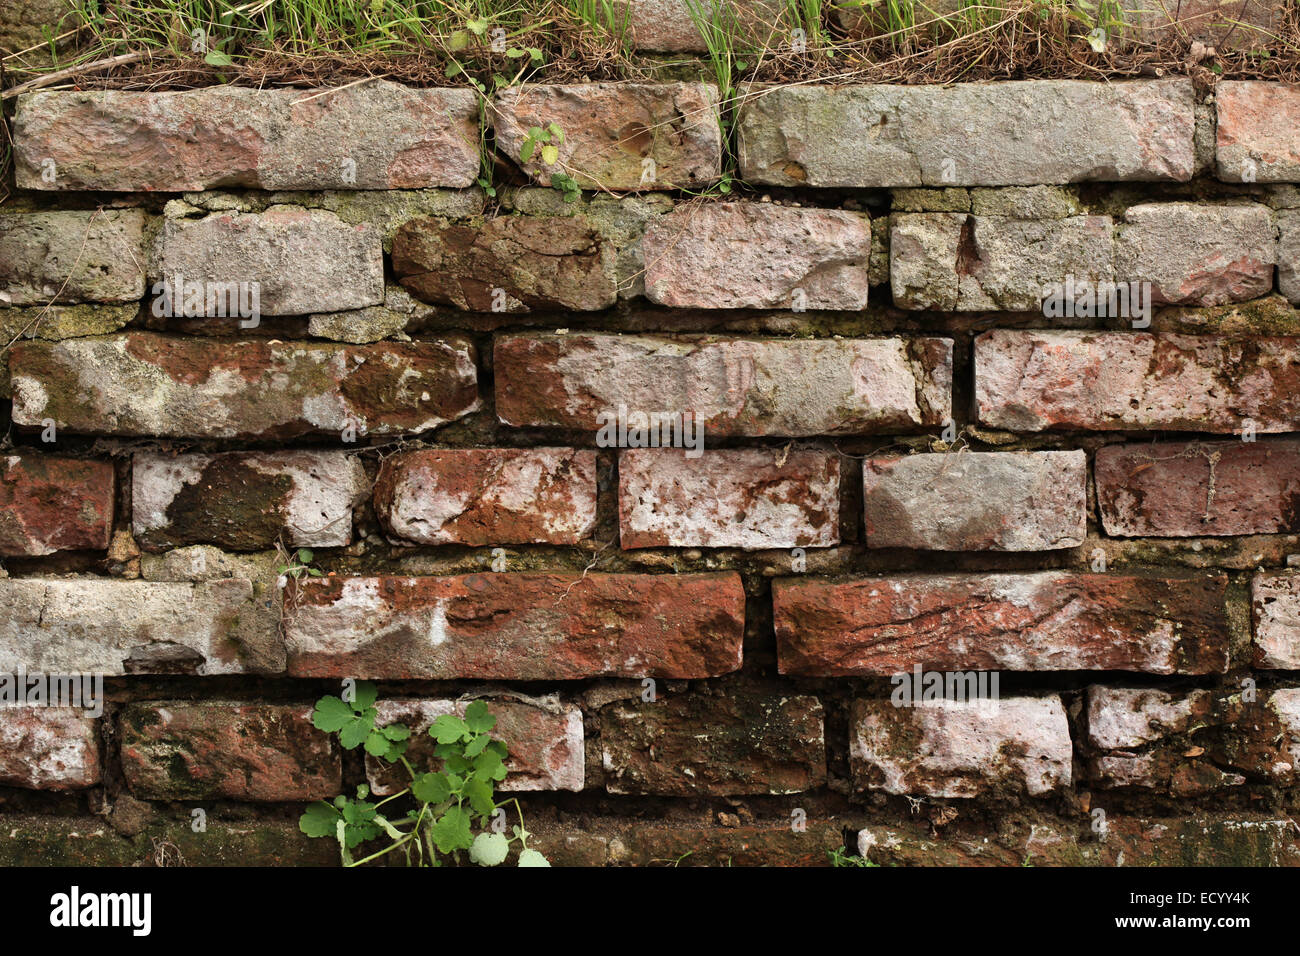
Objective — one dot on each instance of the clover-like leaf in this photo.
(489, 849)
(319, 820)
(355, 733)
(364, 696)
(396, 731)
(478, 791)
(448, 729)
(451, 831)
(478, 718)
(332, 715)
(532, 858)
(431, 788)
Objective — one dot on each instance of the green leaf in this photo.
(557, 132)
(526, 150)
(478, 718)
(452, 832)
(331, 715)
(489, 849)
(305, 555)
(431, 788)
(448, 729)
(319, 820)
(476, 745)
(217, 58)
(550, 155)
(488, 765)
(365, 697)
(377, 744)
(532, 858)
(478, 791)
(453, 68)
(396, 731)
(479, 26)
(354, 734)
(515, 54)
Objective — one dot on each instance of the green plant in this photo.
(840, 857)
(448, 801)
(298, 565)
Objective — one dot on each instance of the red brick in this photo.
(1255, 129)
(48, 748)
(1030, 381)
(517, 626)
(732, 386)
(1192, 489)
(945, 748)
(544, 737)
(481, 496)
(177, 750)
(1046, 621)
(142, 383)
(749, 498)
(685, 744)
(50, 504)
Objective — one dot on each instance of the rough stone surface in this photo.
(1288, 254)
(955, 262)
(667, 26)
(968, 134)
(1255, 143)
(179, 750)
(484, 496)
(1194, 489)
(245, 501)
(507, 263)
(690, 744)
(978, 501)
(945, 748)
(544, 737)
(758, 256)
(114, 627)
(1197, 255)
(48, 748)
(373, 323)
(1275, 600)
(1223, 24)
(620, 136)
(287, 251)
(374, 135)
(750, 498)
(1030, 381)
(50, 503)
(732, 386)
(1043, 621)
(1189, 743)
(1026, 202)
(141, 383)
(517, 626)
(70, 256)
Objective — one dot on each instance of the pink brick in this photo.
(741, 498)
(48, 748)
(50, 503)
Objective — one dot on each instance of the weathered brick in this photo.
(956, 262)
(142, 383)
(612, 129)
(732, 386)
(245, 501)
(1044, 621)
(1288, 254)
(1197, 255)
(978, 501)
(1255, 143)
(750, 498)
(1193, 489)
(517, 626)
(1275, 600)
(1030, 381)
(302, 260)
(50, 503)
(544, 737)
(945, 748)
(113, 627)
(689, 744)
(1223, 24)
(507, 263)
(71, 256)
(667, 26)
(375, 135)
(758, 256)
(180, 750)
(764, 843)
(1189, 743)
(48, 748)
(968, 134)
(482, 496)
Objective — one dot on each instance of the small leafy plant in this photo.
(298, 565)
(448, 802)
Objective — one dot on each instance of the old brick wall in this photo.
(908, 462)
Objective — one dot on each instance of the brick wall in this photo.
(910, 461)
